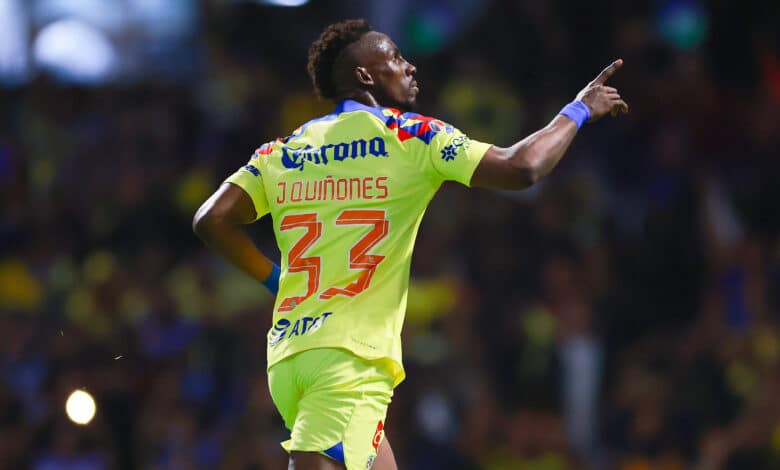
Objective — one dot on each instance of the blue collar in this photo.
(346, 106)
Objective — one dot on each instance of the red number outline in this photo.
(295, 261)
(359, 258)
(358, 254)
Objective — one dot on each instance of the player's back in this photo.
(347, 193)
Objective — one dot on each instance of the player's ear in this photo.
(363, 76)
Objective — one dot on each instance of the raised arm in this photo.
(219, 223)
(532, 158)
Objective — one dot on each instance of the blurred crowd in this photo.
(623, 313)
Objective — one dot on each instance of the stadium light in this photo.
(75, 52)
(284, 3)
(80, 407)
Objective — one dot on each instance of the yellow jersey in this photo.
(347, 192)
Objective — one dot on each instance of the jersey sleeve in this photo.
(453, 156)
(250, 180)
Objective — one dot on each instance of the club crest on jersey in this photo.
(297, 157)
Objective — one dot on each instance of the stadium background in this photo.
(621, 314)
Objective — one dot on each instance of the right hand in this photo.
(601, 99)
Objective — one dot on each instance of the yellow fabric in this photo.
(331, 398)
(253, 185)
(347, 193)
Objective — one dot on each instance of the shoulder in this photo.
(264, 150)
(407, 126)
(268, 148)
(301, 130)
(414, 125)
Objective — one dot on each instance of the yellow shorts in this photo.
(334, 403)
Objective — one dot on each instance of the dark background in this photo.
(623, 313)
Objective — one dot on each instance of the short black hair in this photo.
(324, 51)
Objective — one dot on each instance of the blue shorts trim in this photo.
(336, 452)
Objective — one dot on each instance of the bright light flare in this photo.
(80, 407)
(75, 52)
(285, 3)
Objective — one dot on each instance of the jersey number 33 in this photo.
(359, 258)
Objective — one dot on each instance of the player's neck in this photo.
(361, 96)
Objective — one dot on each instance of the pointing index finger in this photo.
(608, 72)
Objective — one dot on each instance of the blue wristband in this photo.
(272, 283)
(577, 111)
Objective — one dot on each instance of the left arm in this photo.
(219, 223)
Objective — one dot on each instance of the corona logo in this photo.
(296, 158)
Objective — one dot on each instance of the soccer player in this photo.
(346, 193)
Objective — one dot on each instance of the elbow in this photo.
(199, 224)
(531, 176)
(526, 173)
(204, 219)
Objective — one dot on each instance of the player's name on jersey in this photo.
(332, 189)
(296, 157)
